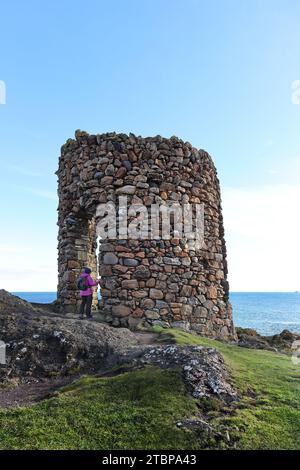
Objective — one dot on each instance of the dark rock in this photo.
(283, 342)
(110, 258)
(127, 164)
(142, 272)
(39, 346)
(130, 262)
(11, 303)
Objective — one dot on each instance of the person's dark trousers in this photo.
(86, 304)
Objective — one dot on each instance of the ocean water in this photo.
(267, 312)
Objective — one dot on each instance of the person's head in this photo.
(87, 270)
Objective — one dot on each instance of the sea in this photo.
(267, 312)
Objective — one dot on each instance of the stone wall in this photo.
(145, 281)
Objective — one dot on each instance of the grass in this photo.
(269, 384)
(134, 410)
(139, 409)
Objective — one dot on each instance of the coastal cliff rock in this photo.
(41, 347)
(11, 303)
(282, 342)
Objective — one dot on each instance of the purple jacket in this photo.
(90, 282)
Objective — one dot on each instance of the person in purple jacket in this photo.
(86, 294)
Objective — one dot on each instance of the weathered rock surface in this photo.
(11, 303)
(45, 346)
(203, 369)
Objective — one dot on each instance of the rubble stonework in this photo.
(144, 280)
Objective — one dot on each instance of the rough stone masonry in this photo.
(145, 281)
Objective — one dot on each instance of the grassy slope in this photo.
(135, 410)
(139, 409)
(269, 383)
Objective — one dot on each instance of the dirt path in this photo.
(28, 394)
(146, 338)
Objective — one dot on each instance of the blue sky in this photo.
(216, 73)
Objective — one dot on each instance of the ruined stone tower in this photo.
(146, 281)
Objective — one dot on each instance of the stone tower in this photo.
(145, 281)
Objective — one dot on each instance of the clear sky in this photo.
(217, 73)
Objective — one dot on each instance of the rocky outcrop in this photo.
(153, 280)
(282, 342)
(42, 346)
(203, 369)
(11, 303)
(39, 347)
